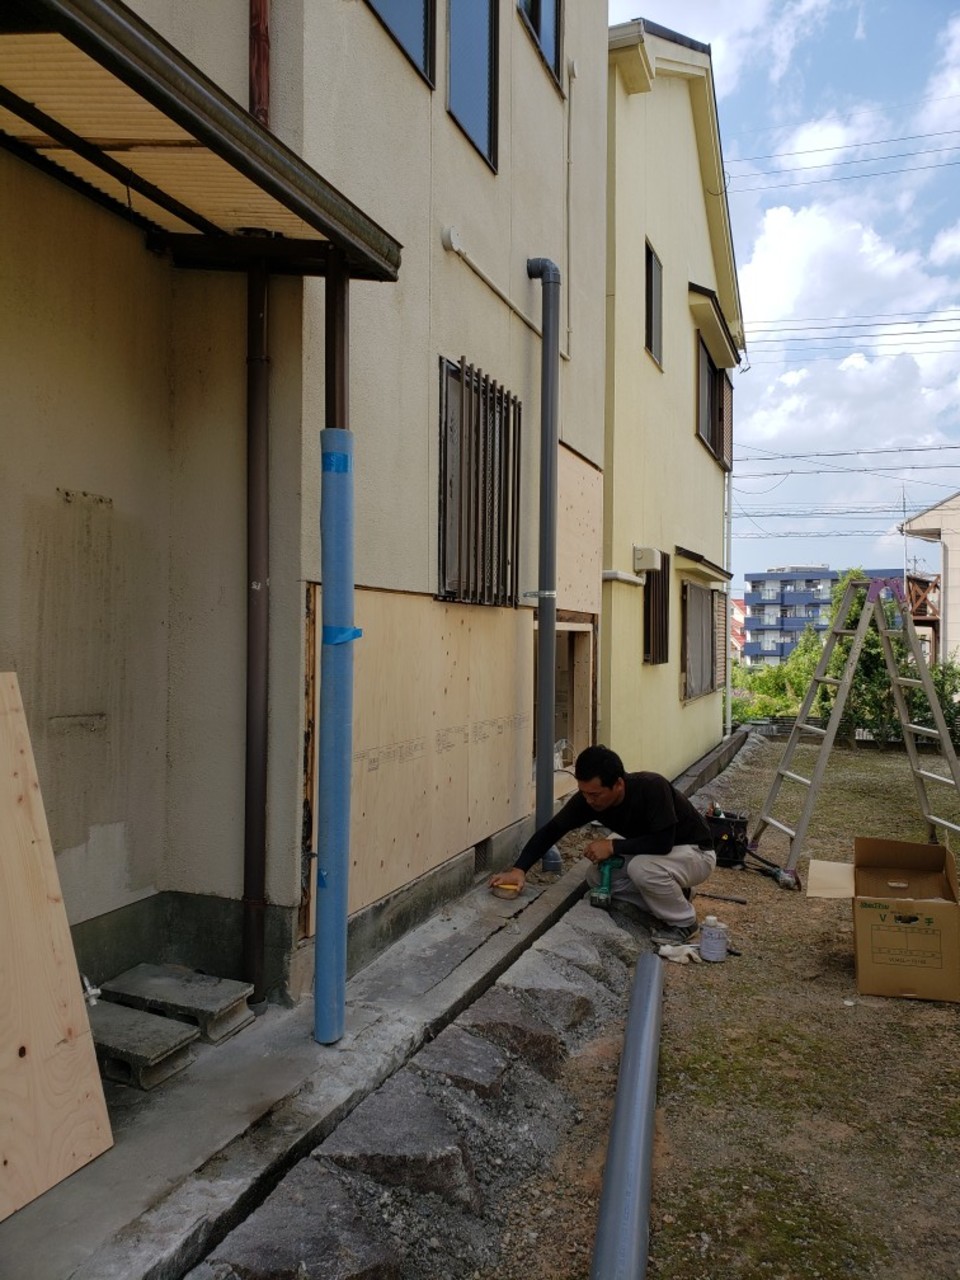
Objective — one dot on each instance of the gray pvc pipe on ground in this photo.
(623, 1222)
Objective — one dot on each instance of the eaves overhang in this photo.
(710, 320)
(92, 95)
(698, 564)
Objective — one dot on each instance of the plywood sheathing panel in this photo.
(443, 724)
(579, 534)
(53, 1118)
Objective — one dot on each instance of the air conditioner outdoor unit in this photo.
(645, 559)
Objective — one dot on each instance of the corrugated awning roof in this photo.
(91, 94)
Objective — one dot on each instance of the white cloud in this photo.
(939, 110)
(946, 245)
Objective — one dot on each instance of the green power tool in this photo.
(601, 896)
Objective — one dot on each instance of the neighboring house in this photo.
(782, 603)
(738, 614)
(674, 331)
(159, 244)
(941, 524)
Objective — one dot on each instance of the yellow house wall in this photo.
(662, 487)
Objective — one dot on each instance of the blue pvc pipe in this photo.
(335, 733)
(623, 1222)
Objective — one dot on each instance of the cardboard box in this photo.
(906, 916)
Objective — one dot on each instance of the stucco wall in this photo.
(84, 521)
(413, 170)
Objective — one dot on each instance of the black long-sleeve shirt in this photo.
(652, 817)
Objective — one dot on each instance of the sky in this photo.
(840, 127)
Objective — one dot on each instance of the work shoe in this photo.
(673, 935)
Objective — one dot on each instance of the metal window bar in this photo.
(479, 488)
(726, 455)
(656, 612)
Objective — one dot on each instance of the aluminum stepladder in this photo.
(920, 678)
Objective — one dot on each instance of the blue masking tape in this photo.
(340, 635)
(334, 461)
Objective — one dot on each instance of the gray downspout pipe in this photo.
(258, 628)
(258, 560)
(623, 1222)
(549, 274)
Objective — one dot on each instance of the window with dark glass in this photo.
(656, 612)
(543, 20)
(654, 306)
(698, 659)
(479, 488)
(410, 22)
(715, 408)
(473, 72)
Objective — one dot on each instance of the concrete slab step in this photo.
(216, 1006)
(139, 1048)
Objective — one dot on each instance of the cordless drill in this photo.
(601, 895)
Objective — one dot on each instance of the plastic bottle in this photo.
(713, 940)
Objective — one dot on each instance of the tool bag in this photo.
(729, 831)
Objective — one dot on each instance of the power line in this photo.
(843, 177)
(767, 326)
(806, 533)
(843, 146)
(844, 453)
(767, 514)
(872, 471)
(852, 115)
(834, 164)
(922, 334)
(877, 315)
(822, 332)
(800, 359)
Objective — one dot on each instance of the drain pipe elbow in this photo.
(543, 269)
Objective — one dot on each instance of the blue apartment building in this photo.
(781, 603)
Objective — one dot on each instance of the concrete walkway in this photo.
(191, 1159)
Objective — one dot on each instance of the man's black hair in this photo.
(599, 762)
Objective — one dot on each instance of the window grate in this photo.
(715, 408)
(480, 424)
(698, 658)
(656, 613)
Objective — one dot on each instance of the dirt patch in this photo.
(804, 1132)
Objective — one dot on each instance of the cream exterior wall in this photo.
(662, 486)
(942, 523)
(84, 522)
(123, 608)
(127, 381)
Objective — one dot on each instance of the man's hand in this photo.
(513, 876)
(599, 850)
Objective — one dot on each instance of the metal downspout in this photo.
(549, 274)
(728, 565)
(623, 1221)
(338, 633)
(258, 561)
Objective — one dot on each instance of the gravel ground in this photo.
(804, 1132)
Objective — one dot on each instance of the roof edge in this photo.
(115, 37)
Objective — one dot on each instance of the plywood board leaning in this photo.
(53, 1118)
